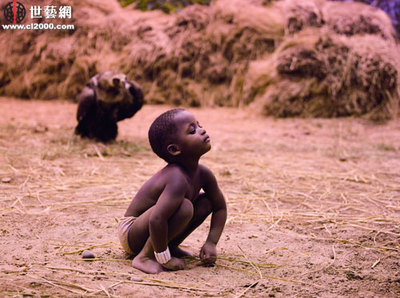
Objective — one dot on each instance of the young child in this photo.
(171, 205)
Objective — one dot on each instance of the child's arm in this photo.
(208, 252)
(169, 201)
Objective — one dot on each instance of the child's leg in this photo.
(140, 244)
(139, 237)
(202, 208)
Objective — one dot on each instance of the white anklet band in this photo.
(163, 257)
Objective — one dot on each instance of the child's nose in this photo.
(203, 131)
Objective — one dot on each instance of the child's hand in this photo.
(174, 264)
(208, 254)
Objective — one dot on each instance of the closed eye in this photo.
(192, 129)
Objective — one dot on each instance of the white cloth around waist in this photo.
(124, 225)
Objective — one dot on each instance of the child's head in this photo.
(176, 134)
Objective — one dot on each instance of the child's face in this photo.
(191, 139)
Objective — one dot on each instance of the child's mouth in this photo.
(207, 139)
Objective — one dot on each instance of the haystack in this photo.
(351, 18)
(287, 58)
(327, 72)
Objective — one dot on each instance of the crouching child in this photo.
(176, 200)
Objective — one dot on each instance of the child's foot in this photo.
(147, 265)
(180, 253)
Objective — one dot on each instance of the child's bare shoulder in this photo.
(206, 173)
(170, 177)
(173, 174)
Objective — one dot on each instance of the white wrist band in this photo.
(163, 257)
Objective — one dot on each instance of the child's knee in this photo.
(186, 210)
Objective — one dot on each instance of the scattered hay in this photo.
(296, 191)
(319, 56)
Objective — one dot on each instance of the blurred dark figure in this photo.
(107, 98)
(391, 7)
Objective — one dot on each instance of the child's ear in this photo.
(173, 149)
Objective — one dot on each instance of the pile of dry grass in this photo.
(352, 18)
(316, 75)
(308, 58)
(330, 64)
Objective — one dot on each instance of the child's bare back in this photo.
(176, 200)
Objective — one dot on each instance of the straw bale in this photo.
(302, 62)
(302, 14)
(350, 18)
(230, 53)
(330, 77)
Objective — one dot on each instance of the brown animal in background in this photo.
(107, 98)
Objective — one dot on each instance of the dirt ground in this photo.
(313, 206)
